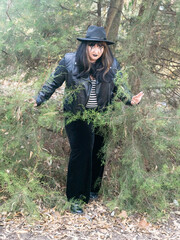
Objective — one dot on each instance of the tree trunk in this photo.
(99, 22)
(113, 19)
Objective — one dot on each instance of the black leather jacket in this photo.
(77, 90)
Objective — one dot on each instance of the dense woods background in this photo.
(142, 151)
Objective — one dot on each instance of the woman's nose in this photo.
(96, 49)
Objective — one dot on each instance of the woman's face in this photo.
(95, 51)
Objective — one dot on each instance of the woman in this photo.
(89, 74)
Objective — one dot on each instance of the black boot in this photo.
(93, 195)
(76, 207)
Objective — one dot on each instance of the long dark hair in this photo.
(100, 70)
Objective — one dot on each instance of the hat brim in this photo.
(94, 40)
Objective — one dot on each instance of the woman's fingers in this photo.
(139, 95)
(137, 98)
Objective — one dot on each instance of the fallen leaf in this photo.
(22, 231)
(19, 113)
(177, 212)
(30, 155)
(56, 214)
(112, 214)
(143, 223)
(123, 214)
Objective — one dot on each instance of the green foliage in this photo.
(20, 193)
(26, 176)
(150, 48)
(38, 32)
(145, 140)
(49, 118)
(143, 154)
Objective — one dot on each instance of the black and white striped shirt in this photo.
(92, 102)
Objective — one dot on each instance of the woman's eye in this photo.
(92, 44)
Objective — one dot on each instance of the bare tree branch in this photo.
(65, 8)
(5, 52)
(8, 7)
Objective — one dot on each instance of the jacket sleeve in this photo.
(55, 80)
(121, 89)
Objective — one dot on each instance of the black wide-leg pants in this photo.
(85, 169)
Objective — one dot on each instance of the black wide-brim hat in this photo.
(96, 34)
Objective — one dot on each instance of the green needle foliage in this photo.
(144, 174)
(141, 151)
(24, 165)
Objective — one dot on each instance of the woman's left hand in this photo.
(137, 98)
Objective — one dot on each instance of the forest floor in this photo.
(97, 222)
